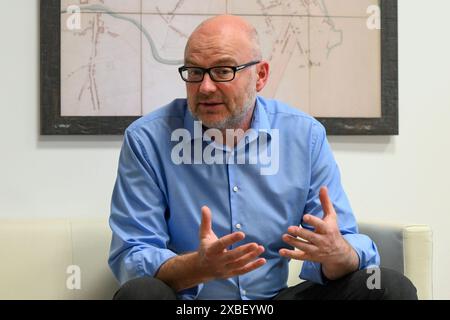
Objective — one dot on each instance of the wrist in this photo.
(183, 272)
(343, 264)
(201, 271)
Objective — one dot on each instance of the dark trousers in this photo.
(393, 286)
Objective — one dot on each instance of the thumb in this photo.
(205, 226)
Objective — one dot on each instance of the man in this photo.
(187, 227)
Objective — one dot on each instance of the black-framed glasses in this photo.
(217, 74)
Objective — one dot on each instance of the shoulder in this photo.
(161, 121)
(284, 116)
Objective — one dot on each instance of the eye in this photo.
(194, 72)
(223, 73)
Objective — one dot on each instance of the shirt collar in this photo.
(260, 121)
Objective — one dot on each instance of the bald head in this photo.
(225, 41)
(232, 29)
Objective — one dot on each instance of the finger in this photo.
(315, 222)
(294, 254)
(325, 200)
(205, 226)
(304, 234)
(300, 244)
(238, 252)
(249, 267)
(245, 259)
(221, 244)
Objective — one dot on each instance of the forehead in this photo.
(209, 48)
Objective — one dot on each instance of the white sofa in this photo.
(48, 259)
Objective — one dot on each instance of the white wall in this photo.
(400, 179)
(407, 178)
(43, 176)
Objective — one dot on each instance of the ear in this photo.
(263, 75)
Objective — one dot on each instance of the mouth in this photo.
(210, 104)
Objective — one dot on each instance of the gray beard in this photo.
(233, 122)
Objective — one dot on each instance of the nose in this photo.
(207, 86)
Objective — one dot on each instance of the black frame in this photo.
(208, 71)
(388, 123)
(52, 123)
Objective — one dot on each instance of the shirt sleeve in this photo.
(325, 172)
(138, 216)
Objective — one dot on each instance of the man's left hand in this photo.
(324, 245)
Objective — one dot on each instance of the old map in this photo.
(120, 58)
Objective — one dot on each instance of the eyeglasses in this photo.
(217, 74)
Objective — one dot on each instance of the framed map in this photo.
(105, 63)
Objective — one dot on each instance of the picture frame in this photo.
(52, 123)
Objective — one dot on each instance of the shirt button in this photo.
(238, 226)
(244, 292)
(235, 189)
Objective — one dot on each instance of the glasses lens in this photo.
(222, 73)
(192, 74)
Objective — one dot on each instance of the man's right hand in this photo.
(212, 260)
(220, 263)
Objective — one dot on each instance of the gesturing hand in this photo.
(324, 245)
(219, 262)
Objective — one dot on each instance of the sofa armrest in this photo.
(407, 249)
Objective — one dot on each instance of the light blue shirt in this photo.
(156, 202)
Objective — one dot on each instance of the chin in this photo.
(213, 124)
(212, 121)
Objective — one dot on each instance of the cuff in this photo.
(191, 293)
(365, 249)
(312, 271)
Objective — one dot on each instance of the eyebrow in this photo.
(220, 62)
